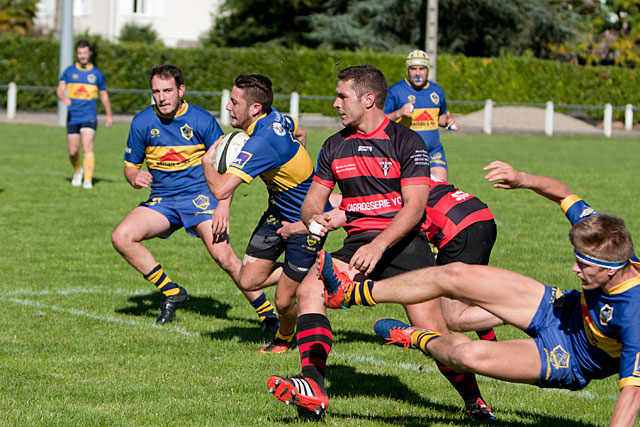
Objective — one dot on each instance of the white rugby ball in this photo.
(228, 149)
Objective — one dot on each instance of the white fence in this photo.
(294, 107)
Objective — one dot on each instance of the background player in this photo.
(275, 154)
(420, 105)
(79, 87)
(172, 136)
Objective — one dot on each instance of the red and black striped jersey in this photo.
(450, 210)
(370, 170)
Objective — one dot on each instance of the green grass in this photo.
(78, 344)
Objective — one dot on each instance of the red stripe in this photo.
(378, 133)
(416, 180)
(330, 184)
(308, 346)
(352, 167)
(318, 331)
(367, 224)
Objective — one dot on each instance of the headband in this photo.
(613, 265)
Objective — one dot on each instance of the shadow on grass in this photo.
(239, 333)
(96, 180)
(148, 305)
(352, 335)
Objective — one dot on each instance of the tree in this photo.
(16, 16)
(138, 33)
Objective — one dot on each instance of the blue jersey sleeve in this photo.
(576, 209)
(101, 82)
(212, 133)
(392, 101)
(135, 152)
(257, 156)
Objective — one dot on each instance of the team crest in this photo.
(385, 165)
(311, 243)
(201, 202)
(241, 160)
(434, 97)
(186, 131)
(606, 314)
(91, 78)
(556, 296)
(154, 133)
(74, 76)
(412, 99)
(559, 358)
(586, 212)
(278, 129)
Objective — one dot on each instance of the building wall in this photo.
(177, 23)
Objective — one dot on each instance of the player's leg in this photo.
(144, 223)
(87, 135)
(73, 146)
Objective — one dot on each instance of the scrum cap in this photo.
(418, 58)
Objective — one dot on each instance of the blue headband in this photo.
(599, 262)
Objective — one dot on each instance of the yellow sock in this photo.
(88, 163)
(287, 338)
(75, 162)
(158, 277)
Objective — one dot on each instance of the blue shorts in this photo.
(185, 210)
(300, 250)
(75, 128)
(550, 329)
(438, 159)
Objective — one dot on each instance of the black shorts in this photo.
(72, 129)
(410, 253)
(472, 245)
(300, 250)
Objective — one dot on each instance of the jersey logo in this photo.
(186, 132)
(606, 314)
(278, 129)
(424, 117)
(586, 212)
(385, 165)
(241, 160)
(74, 76)
(127, 150)
(412, 99)
(172, 156)
(154, 133)
(201, 202)
(91, 78)
(556, 296)
(559, 358)
(364, 148)
(434, 97)
(460, 195)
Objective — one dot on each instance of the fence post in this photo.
(294, 105)
(225, 119)
(548, 119)
(628, 117)
(608, 116)
(12, 100)
(488, 109)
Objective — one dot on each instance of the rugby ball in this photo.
(228, 149)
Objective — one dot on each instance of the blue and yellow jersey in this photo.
(428, 105)
(83, 88)
(172, 147)
(274, 154)
(607, 323)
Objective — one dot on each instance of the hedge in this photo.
(34, 62)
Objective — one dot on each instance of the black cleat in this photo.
(270, 324)
(169, 305)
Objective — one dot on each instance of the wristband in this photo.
(315, 228)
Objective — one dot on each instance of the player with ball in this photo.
(275, 153)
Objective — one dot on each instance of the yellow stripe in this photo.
(164, 283)
(367, 293)
(75, 91)
(569, 201)
(181, 111)
(132, 165)
(292, 173)
(629, 381)
(155, 276)
(595, 336)
(243, 176)
(626, 285)
(284, 337)
(252, 126)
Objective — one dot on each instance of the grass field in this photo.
(78, 343)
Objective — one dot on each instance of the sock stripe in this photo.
(281, 336)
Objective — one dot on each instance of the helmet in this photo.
(418, 58)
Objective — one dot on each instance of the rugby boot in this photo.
(403, 335)
(76, 181)
(277, 345)
(300, 391)
(338, 286)
(480, 412)
(169, 305)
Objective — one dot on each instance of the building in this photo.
(177, 23)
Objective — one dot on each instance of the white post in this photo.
(628, 117)
(608, 115)
(488, 109)
(12, 99)
(548, 119)
(294, 105)
(225, 118)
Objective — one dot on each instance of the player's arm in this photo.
(446, 121)
(312, 210)
(503, 175)
(137, 178)
(626, 410)
(403, 111)
(104, 97)
(301, 135)
(62, 96)
(415, 201)
(221, 186)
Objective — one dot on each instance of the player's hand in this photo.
(287, 230)
(66, 101)
(366, 258)
(220, 223)
(322, 221)
(406, 109)
(335, 219)
(109, 121)
(452, 124)
(142, 180)
(503, 175)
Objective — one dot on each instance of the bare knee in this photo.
(224, 256)
(121, 239)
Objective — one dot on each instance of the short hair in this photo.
(257, 88)
(83, 43)
(604, 237)
(167, 71)
(367, 78)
